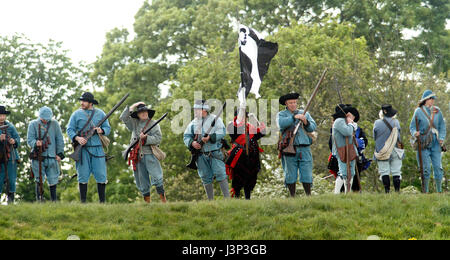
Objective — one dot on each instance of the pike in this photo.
(290, 149)
(132, 145)
(196, 153)
(77, 147)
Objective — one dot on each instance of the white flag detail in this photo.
(255, 56)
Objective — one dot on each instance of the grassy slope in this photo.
(320, 217)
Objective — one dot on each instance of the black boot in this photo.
(248, 193)
(237, 193)
(11, 198)
(356, 183)
(397, 182)
(39, 196)
(307, 188)
(83, 192)
(53, 193)
(101, 188)
(292, 188)
(386, 183)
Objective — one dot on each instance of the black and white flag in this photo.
(255, 56)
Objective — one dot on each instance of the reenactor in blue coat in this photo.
(210, 163)
(300, 165)
(344, 128)
(50, 140)
(432, 132)
(93, 157)
(9, 157)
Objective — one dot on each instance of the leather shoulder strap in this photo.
(430, 120)
(387, 124)
(88, 122)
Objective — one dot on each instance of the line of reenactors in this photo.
(205, 136)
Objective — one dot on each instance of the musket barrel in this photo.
(316, 89)
(419, 150)
(308, 105)
(195, 154)
(132, 145)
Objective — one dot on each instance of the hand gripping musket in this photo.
(76, 155)
(290, 149)
(5, 152)
(196, 153)
(132, 145)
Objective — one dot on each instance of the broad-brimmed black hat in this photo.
(88, 97)
(388, 111)
(3, 111)
(350, 109)
(142, 108)
(287, 97)
(341, 111)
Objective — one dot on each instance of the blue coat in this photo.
(341, 130)
(217, 134)
(12, 133)
(79, 119)
(56, 146)
(93, 160)
(285, 120)
(438, 122)
(381, 132)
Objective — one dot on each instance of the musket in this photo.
(41, 188)
(77, 148)
(419, 150)
(132, 145)
(358, 179)
(5, 157)
(327, 177)
(338, 91)
(196, 153)
(348, 163)
(290, 149)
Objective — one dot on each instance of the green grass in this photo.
(398, 217)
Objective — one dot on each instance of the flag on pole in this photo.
(255, 56)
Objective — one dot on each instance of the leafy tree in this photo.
(191, 46)
(32, 76)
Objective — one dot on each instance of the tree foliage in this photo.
(189, 46)
(32, 76)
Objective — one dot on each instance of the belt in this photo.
(48, 157)
(302, 145)
(210, 152)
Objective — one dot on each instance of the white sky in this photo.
(80, 24)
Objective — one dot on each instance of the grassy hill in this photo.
(320, 217)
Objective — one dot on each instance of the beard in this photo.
(86, 106)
